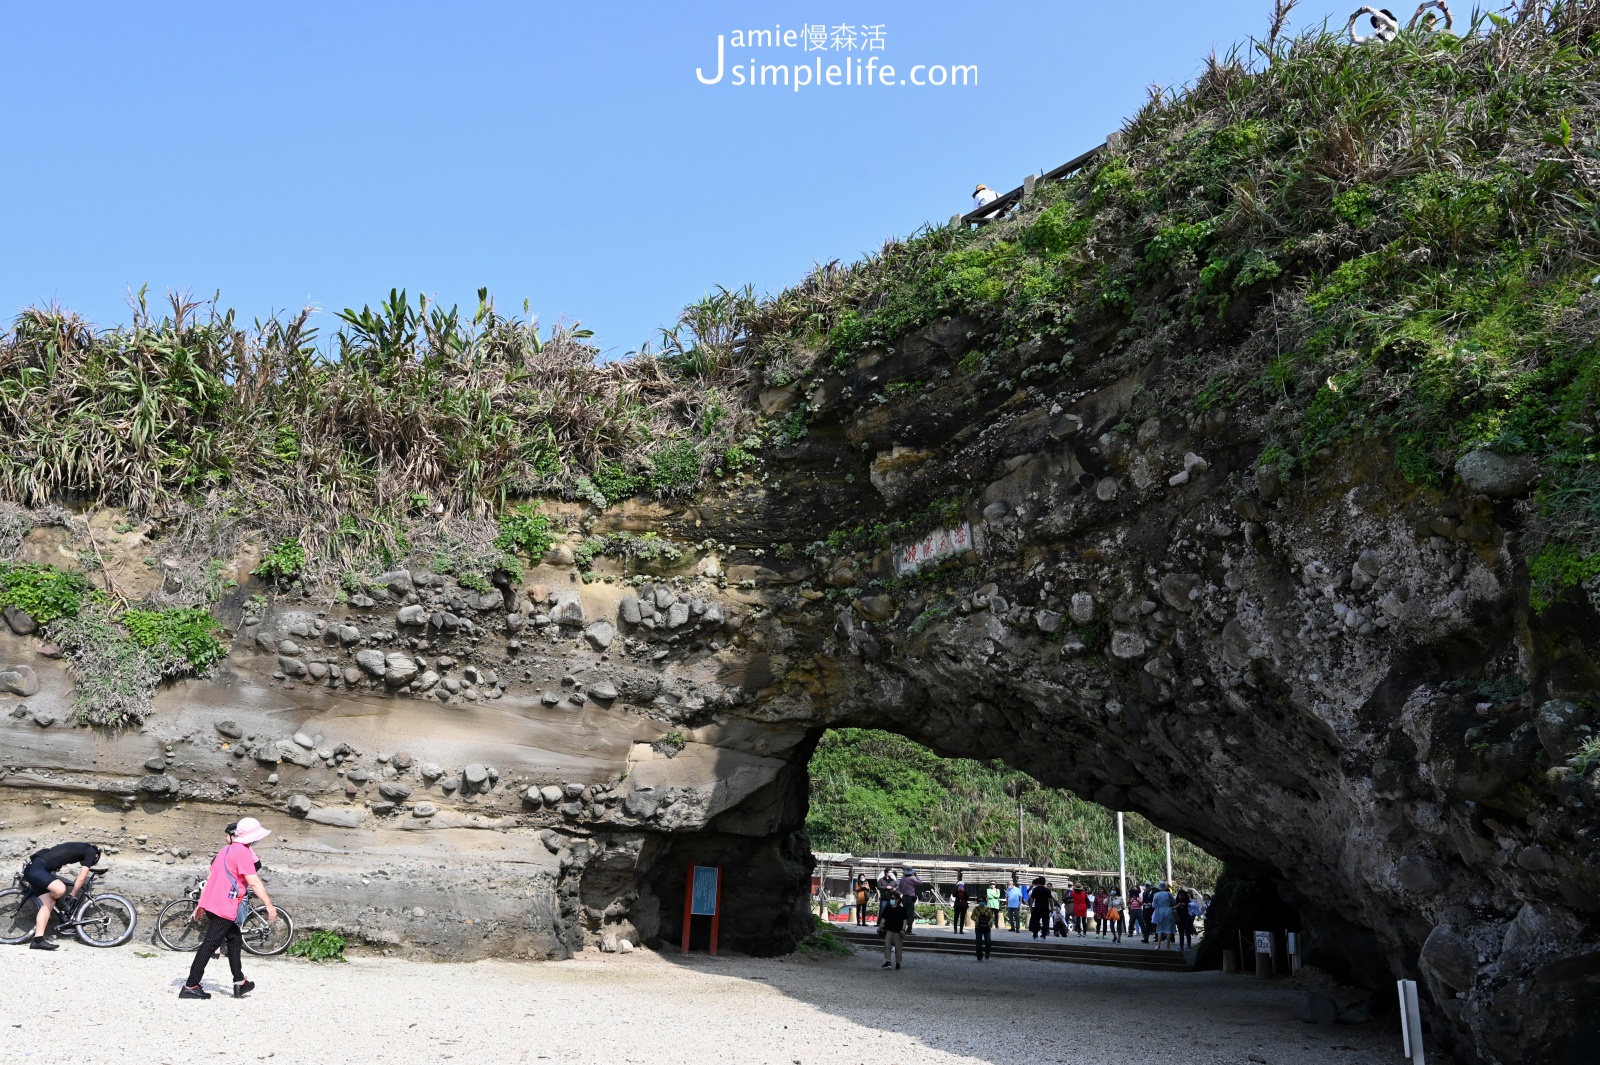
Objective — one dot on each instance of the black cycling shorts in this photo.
(37, 877)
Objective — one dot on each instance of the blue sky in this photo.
(566, 154)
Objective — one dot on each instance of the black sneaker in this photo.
(243, 988)
(885, 965)
(897, 965)
(40, 943)
(194, 992)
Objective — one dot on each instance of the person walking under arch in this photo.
(863, 894)
(234, 874)
(1114, 916)
(909, 887)
(1136, 914)
(1039, 909)
(891, 926)
(1014, 899)
(1080, 910)
(1183, 914)
(1098, 908)
(982, 928)
(960, 907)
(1162, 917)
(991, 899)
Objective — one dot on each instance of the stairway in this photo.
(1084, 951)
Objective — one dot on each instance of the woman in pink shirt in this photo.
(222, 901)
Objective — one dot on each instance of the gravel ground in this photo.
(121, 1006)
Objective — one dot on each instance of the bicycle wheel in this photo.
(176, 928)
(105, 921)
(265, 937)
(18, 911)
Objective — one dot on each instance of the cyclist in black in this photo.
(40, 876)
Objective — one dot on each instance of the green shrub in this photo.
(675, 468)
(44, 593)
(319, 945)
(1057, 230)
(617, 482)
(1587, 757)
(114, 678)
(525, 530)
(648, 549)
(1557, 568)
(285, 560)
(181, 635)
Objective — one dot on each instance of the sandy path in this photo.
(115, 1006)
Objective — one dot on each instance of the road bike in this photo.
(97, 920)
(176, 928)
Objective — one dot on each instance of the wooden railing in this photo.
(997, 208)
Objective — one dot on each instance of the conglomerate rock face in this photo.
(1332, 681)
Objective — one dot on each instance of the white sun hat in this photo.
(250, 831)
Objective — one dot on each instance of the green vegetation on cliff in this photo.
(347, 455)
(875, 791)
(1391, 243)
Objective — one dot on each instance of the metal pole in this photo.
(1021, 852)
(1169, 861)
(1122, 861)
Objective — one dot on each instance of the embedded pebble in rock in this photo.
(156, 764)
(550, 794)
(424, 810)
(568, 610)
(299, 805)
(412, 615)
(371, 662)
(549, 698)
(603, 690)
(475, 776)
(1126, 644)
(628, 610)
(429, 772)
(1081, 609)
(600, 634)
(394, 792)
(402, 760)
(19, 680)
(305, 741)
(229, 728)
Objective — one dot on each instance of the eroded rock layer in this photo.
(1332, 681)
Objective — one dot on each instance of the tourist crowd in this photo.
(1152, 912)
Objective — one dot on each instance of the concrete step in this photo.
(1081, 953)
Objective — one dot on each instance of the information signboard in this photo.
(704, 898)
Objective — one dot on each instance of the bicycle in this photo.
(176, 928)
(97, 920)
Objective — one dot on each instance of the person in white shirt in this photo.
(983, 196)
(1384, 25)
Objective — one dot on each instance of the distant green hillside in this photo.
(873, 791)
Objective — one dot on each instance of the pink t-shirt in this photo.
(220, 896)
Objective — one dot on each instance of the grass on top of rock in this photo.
(118, 657)
(875, 791)
(1392, 244)
(354, 446)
